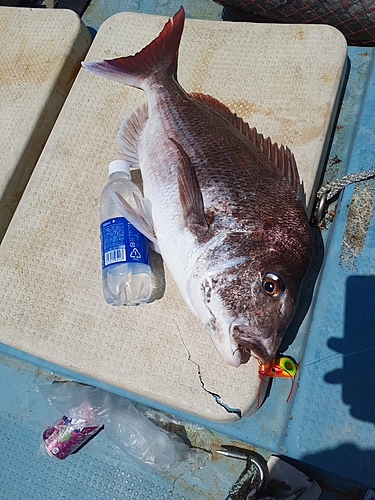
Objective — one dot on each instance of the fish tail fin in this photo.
(160, 54)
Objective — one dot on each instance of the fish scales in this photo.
(222, 203)
(231, 168)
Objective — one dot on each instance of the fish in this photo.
(223, 204)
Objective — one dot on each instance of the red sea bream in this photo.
(221, 202)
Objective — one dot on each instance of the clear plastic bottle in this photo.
(126, 271)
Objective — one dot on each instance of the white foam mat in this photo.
(283, 79)
(40, 53)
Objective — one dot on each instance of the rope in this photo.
(330, 190)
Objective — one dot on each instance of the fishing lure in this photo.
(284, 366)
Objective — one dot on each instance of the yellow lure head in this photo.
(284, 366)
(288, 365)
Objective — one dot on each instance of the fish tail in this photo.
(160, 54)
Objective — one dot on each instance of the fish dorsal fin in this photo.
(280, 156)
(128, 135)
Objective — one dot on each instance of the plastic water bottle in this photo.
(126, 271)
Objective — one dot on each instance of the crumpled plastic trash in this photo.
(124, 425)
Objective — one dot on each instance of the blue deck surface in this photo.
(334, 409)
(329, 421)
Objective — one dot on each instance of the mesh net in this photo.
(354, 18)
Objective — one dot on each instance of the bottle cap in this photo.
(119, 166)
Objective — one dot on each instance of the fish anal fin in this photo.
(281, 156)
(190, 194)
(128, 135)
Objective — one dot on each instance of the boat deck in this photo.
(327, 428)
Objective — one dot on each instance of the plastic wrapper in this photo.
(124, 425)
(67, 435)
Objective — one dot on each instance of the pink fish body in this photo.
(222, 203)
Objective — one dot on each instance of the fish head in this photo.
(246, 293)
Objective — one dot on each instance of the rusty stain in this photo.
(246, 108)
(358, 221)
(300, 33)
(215, 445)
(187, 487)
(29, 66)
(364, 54)
(331, 215)
(49, 376)
(331, 75)
(334, 161)
(233, 469)
(198, 75)
(327, 78)
(334, 166)
(309, 133)
(207, 440)
(199, 437)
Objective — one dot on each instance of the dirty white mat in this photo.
(283, 79)
(40, 54)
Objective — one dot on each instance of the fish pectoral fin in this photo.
(190, 194)
(281, 156)
(140, 217)
(129, 133)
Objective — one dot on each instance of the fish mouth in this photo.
(238, 343)
(249, 345)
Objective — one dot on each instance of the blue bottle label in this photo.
(122, 242)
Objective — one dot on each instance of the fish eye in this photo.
(273, 285)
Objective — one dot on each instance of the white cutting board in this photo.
(40, 54)
(283, 79)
